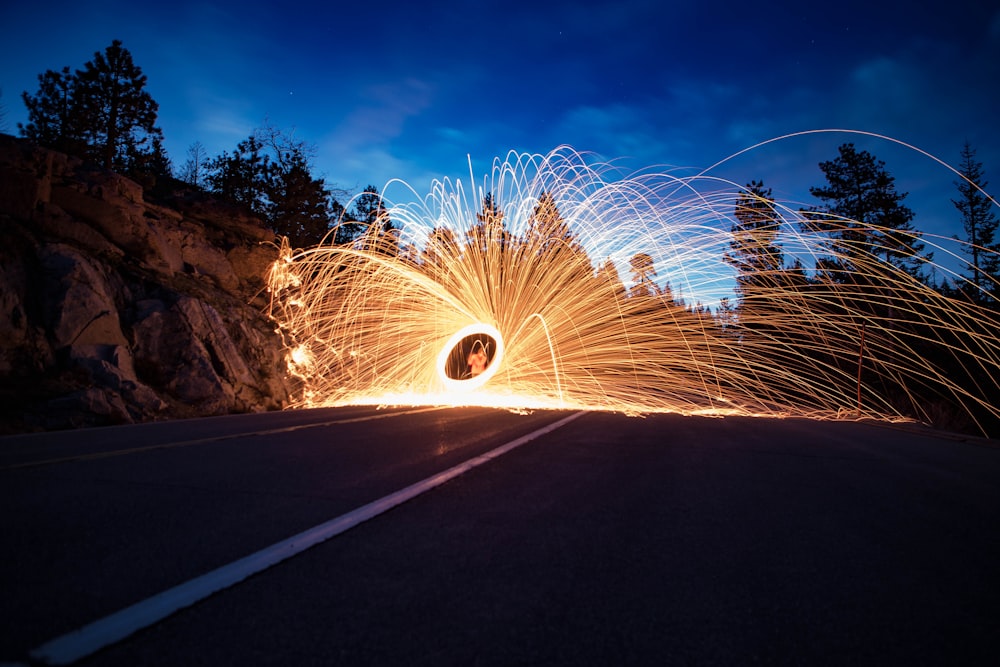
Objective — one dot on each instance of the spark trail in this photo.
(527, 270)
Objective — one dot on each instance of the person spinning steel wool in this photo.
(477, 360)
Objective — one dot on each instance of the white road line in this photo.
(106, 631)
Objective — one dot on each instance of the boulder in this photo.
(80, 298)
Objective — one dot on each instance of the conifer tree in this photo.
(368, 207)
(862, 215)
(380, 234)
(754, 251)
(980, 224)
(608, 277)
(489, 230)
(117, 115)
(548, 233)
(549, 241)
(441, 249)
(51, 119)
(299, 203)
(643, 274)
(243, 177)
(102, 113)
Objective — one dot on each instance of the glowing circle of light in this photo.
(465, 384)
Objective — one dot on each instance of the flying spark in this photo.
(562, 282)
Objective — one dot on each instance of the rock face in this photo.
(117, 306)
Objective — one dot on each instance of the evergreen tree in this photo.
(148, 166)
(643, 275)
(368, 207)
(754, 252)
(548, 233)
(980, 224)
(551, 243)
(270, 175)
(380, 234)
(51, 119)
(348, 230)
(862, 215)
(244, 176)
(608, 277)
(299, 204)
(117, 115)
(489, 232)
(101, 113)
(441, 249)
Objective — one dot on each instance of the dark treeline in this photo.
(103, 114)
(869, 248)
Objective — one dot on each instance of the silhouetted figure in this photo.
(477, 360)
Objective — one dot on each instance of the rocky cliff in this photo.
(119, 305)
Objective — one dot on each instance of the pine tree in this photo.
(607, 280)
(146, 166)
(368, 207)
(754, 252)
(51, 119)
(980, 224)
(441, 249)
(550, 243)
(244, 176)
(380, 234)
(101, 113)
(863, 216)
(489, 233)
(118, 116)
(299, 204)
(643, 275)
(548, 233)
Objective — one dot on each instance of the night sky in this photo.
(414, 90)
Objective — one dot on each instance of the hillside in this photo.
(120, 305)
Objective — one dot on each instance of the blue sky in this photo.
(414, 90)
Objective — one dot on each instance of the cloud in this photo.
(384, 109)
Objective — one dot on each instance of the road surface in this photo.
(608, 540)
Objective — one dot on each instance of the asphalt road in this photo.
(611, 540)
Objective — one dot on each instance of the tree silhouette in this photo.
(643, 273)
(368, 206)
(51, 119)
(243, 176)
(102, 113)
(548, 233)
(298, 203)
(980, 225)
(754, 252)
(489, 233)
(380, 234)
(862, 215)
(441, 248)
(117, 115)
(195, 169)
